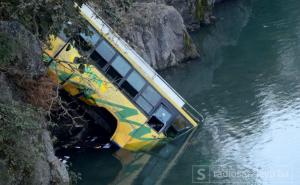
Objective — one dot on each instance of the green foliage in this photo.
(74, 177)
(18, 124)
(48, 17)
(42, 17)
(201, 7)
(187, 42)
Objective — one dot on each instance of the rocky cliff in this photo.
(158, 33)
(26, 151)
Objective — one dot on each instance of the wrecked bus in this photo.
(140, 108)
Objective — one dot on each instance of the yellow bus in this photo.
(138, 107)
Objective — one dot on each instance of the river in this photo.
(247, 85)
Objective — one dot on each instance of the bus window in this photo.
(162, 114)
(160, 118)
(118, 69)
(121, 65)
(179, 126)
(151, 95)
(91, 38)
(133, 84)
(146, 106)
(81, 44)
(106, 51)
(148, 99)
(85, 42)
(98, 60)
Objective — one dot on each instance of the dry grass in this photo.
(39, 92)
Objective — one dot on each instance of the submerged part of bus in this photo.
(103, 71)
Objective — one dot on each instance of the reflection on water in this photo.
(247, 86)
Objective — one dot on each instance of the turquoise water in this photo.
(247, 86)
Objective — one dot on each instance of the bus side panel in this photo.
(56, 45)
(132, 132)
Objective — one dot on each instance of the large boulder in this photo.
(158, 33)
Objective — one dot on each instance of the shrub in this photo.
(18, 125)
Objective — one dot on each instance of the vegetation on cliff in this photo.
(202, 7)
(42, 17)
(19, 122)
(26, 152)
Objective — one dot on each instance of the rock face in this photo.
(193, 12)
(157, 29)
(30, 51)
(158, 33)
(32, 142)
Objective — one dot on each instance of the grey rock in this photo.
(158, 33)
(29, 50)
(41, 173)
(58, 170)
(188, 10)
(48, 169)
